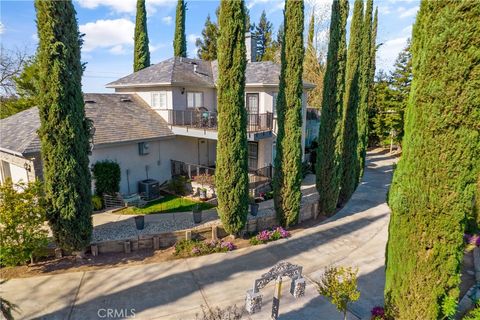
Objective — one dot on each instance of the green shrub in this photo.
(97, 202)
(177, 185)
(473, 314)
(22, 213)
(107, 177)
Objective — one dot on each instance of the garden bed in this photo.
(168, 203)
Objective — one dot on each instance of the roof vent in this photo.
(90, 101)
(125, 99)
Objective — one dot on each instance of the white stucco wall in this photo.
(128, 157)
(180, 148)
(18, 174)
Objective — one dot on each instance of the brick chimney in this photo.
(251, 46)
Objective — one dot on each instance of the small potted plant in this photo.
(140, 222)
(204, 180)
(203, 193)
(197, 213)
(253, 207)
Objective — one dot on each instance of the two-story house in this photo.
(162, 121)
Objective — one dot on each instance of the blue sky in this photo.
(108, 26)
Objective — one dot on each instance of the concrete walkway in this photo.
(356, 236)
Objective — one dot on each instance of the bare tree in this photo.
(11, 66)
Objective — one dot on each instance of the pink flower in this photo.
(264, 235)
(378, 312)
(195, 250)
(227, 244)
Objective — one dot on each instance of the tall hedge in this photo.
(365, 86)
(179, 41)
(141, 53)
(288, 162)
(231, 176)
(349, 177)
(107, 177)
(329, 152)
(434, 188)
(64, 130)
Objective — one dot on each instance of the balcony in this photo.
(256, 178)
(208, 120)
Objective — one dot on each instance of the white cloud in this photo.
(2, 28)
(388, 52)
(192, 38)
(154, 48)
(112, 34)
(167, 20)
(404, 13)
(117, 50)
(384, 10)
(124, 6)
(407, 30)
(35, 37)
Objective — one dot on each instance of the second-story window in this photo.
(194, 99)
(159, 100)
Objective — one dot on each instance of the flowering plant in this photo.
(187, 248)
(227, 244)
(378, 313)
(269, 235)
(472, 239)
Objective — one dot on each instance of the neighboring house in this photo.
(161, 121)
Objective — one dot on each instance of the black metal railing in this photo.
(259, 122)
(188, 170)
(209, 119)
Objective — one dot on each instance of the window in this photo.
(159, 100)
(194, 99)
(274, 104)
(252, 155)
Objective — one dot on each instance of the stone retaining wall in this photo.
(266, 219)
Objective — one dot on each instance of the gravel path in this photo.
(110, 226)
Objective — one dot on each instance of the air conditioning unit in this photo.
(150, 189)
(143, 148)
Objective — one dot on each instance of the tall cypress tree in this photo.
(179, 41)
(64, 130)
(207, 47)
(232, 161)
(141, 54)
(435, 184)
(350, 106)
(288, 161)
(313, 70)
(329, 152)
(365, 85)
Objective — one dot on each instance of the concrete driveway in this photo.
(355, 236)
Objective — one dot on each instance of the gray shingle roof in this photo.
(18, 133)
(182, 71)
(116, 118)
(172, 71)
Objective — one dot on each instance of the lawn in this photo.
(169, 203)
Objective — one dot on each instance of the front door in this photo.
(203, 152)
(252, 110)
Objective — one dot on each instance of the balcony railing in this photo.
(209, 119)
(256, 177)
